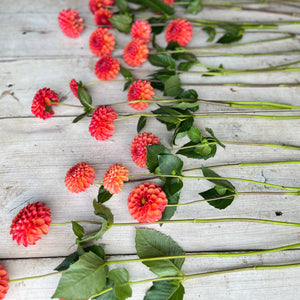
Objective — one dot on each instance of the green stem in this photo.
(35, 277)
(221, 178)
(199, 275)
(227, 115)
(220, 220)
(246, 85)
(263, 144)
(80, 221)
(65, 104)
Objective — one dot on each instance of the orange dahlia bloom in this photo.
(169, 2)
(102, 126)
(114, 178)
(107, 68)
(3, 282)
(146, 202)
(180, 31)
(96, 4)
(135, 53)
(70, 23)
(101, 42)
(140, 90)
(31, 223)
(42, 103)
(141, 30)
(80, 177)
(138, 149)
(102, 16)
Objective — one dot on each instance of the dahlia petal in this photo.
(138, 149)
(141, 30)
(142, 206)
(77, 175)
(135, 53)
(39, 106)
(70, 23)
(3, 282)
(180, 31)
(31, 223)
(107, 68)
(101, 42)
(114, 177)
(101, 126)
(96, 4)
(102, 16)
(140, 90)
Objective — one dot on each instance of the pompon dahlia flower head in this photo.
(4, 278)
(31, 223)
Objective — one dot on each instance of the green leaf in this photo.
(183, 104)
(203, 150)
(109, 295)
(221, 203)
(173, 46)
(121, 22)
(157, 6)
(127, 84)
(194, 7)
(126, 73)
(98, 250)
(85, 98)
(103, 195)
(98, 234)
(165, 290)
(195, 135)
(158, 85)
(224, 183)
(152, 243)
(211, 33)
(185, 56)
(103, 212)
(120, 276)
(182, 129)
(233, 34)
(65, 264)
(83, 279)
(141, 123)
(172, 86)
(172, 189)
(157, 29)
(80, 117)
(122, 5)
(185, 66)
(77, 229)
(153, 152)
(189, 94)
(195, 152)
(170, 164)
(209, 130)
(162, 60)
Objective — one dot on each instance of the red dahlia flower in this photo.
(180, 31)
(101, 42)
(70, 23)
(74, 87)
(42, 103)
(114, 177)
(140, 90)
(169, 2)
(107, 68)
(3, 282)
(31, 223)
(135, 53)
(96, 4)
(138, 149)
(102, 126)
(141, 30)
(80, 177)
(146, 202)
(102, 16)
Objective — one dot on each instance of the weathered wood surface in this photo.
(35, 156)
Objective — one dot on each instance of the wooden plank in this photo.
(267, 284)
